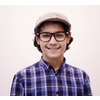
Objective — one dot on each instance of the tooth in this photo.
(53, 48)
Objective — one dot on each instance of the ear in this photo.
(37, 39)
(68, 38)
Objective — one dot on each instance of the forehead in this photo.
(47, 24)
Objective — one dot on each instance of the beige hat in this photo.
(52, 16)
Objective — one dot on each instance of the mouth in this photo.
(53, 48)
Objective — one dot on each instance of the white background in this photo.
(17, 50)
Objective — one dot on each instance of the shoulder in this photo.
(70, 67)
(76, 71)
(27, 71)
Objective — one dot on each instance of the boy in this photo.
(51, 76)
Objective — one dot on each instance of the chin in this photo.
(52, 56)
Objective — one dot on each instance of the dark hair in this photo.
(66, 29)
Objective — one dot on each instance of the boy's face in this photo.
(52, 49)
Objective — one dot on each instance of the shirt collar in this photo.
(47, 66)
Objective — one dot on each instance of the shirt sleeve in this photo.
(87, 88)
(17, 87)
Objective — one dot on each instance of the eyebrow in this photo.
(51, 32)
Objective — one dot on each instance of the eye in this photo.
(45, 35)
(59, 35)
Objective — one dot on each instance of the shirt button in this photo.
(50, 67)
(57, 92)
(55, 74)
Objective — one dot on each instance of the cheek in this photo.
(42, 46)
(64, 46)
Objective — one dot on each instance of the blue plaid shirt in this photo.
(40, 79)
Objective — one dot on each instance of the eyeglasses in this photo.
(46, 36)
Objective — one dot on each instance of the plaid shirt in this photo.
(40, 79)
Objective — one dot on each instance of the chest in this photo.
(51, 84)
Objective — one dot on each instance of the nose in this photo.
(53, 40)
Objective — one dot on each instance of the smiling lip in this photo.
(53, 48)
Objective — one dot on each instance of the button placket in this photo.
(56, 79)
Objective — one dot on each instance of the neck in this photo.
(55, 62)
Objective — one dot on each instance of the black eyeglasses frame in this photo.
(66, 33)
